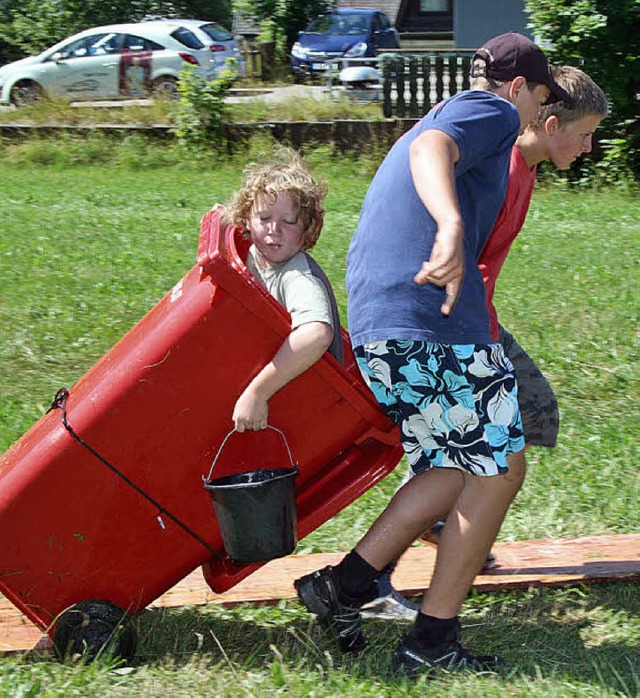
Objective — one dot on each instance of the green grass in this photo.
(56, 111)
(94, 233)
(162, 112)
(305, 109)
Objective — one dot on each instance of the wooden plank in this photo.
(521, 564)
(17, 632)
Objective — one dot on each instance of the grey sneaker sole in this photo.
(393, 606)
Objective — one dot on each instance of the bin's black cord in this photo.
(60, 402)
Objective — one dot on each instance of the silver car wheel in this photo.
(165, 87)
(26, 92)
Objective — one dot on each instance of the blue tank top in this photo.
(395, 232)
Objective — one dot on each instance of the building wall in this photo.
(477, 21)
(474, 21)
(389, 7)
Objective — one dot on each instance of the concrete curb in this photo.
(345, 134)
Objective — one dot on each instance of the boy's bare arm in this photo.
(433, 156)
(299, 351)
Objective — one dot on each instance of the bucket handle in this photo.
(233, 431)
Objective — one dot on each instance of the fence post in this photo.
(426, 84)
(267, 55)
(401, 110)
(413, 86)
(453, 75)
(388, 61)
(253, 59)
(439, 79)
(465, 63)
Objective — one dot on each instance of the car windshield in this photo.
(216, 32)
(338, 24)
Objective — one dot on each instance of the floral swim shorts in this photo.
(456, 405)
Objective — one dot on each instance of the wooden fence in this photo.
(413, 83)
(259, 59)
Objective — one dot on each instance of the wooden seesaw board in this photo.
(521, 564)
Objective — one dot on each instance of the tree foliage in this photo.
(283, 18)
(603, 38)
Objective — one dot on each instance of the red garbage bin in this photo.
(111, 507)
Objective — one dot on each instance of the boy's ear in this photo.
(516, 85)
(551, 125)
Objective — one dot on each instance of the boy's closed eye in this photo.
(267, 219)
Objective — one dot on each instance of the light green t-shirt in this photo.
(300, 285)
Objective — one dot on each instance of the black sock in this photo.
(430, 631)
(356, 580)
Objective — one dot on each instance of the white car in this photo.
(121, 61)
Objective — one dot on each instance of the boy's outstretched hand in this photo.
(445, 266)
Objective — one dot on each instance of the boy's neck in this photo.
(260, 262)
(263, 264)
(531, 144)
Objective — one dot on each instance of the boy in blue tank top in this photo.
(560, 134)
(421, 334)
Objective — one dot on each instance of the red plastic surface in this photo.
(157, 407)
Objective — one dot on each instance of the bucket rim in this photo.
(282, 474)
(235, 431)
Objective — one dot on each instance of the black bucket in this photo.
(256, 511)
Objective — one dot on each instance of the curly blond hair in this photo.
(288, 174)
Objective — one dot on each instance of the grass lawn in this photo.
(303, 107)
(94, 234)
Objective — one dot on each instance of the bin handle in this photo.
(60, 402)
(233, 431)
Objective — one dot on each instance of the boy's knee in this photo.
(506, 485)
(517, 468)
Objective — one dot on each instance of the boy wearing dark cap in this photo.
(420, 328)
(559, 134)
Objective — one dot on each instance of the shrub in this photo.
(201, 108)
(599, 37)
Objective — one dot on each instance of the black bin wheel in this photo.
(92, 629)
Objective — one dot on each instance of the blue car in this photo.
(345, 33)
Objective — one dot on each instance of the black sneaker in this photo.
(413, 659)
(319, 594)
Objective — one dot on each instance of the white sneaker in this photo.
(393, 606)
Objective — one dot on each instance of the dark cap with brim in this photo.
(508, 56)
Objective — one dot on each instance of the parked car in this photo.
(120, 61)
(343, 33)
